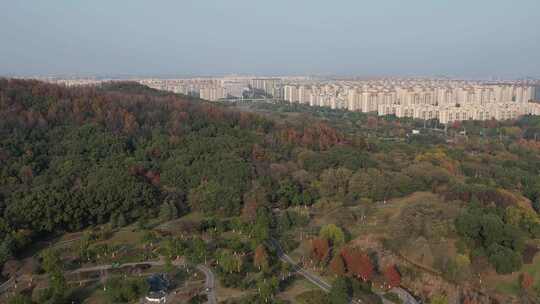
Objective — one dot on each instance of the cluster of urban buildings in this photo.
(72, 81)
(205, 88)
(442, 99)
(230, 87)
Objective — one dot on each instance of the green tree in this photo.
(169, 267)
(492, 229)
(335, 182)
(502, 242)
(125, 291)
(504, 259)
(228, 261)
(199, 299)
(263, 226)
(213, 197)
(168, 211)
(341, 291)
(173, 247)
(370, 183)
(196, 251)
(6, 250)
(142, 223)
(267, 288)
(463, 264)
(51, 261)
(84, 247)
(288, 193)
(333, 233)
(439, 299)
(121, 220)
(536, 205)
(53, 266)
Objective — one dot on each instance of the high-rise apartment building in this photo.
(446, 101)
(269, 86)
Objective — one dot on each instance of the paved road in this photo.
(6, 285)
(404, 295)
(110, 266)
(319, 282)
(210, 284)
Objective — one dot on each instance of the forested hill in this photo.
(77, 157)
(73, 157)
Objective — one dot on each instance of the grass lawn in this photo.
(179, 224)
(127, 235)
(299, 286)
(229, 235)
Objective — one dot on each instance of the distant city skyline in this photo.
(446, 101)
(457, 39)
(220, 75)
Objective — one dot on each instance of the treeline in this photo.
(497, 233)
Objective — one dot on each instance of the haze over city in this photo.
(468, 39)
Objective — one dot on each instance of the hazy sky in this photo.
(469, 38)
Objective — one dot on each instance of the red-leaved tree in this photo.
(526, 281)
(392, 276)
(320, 249)
(337, 265)
(358, 263)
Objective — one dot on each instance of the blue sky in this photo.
(467, 38)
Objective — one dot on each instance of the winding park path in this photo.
(209, 285)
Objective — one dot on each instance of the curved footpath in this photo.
(209, 285)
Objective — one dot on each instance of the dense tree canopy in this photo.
(120, 153)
